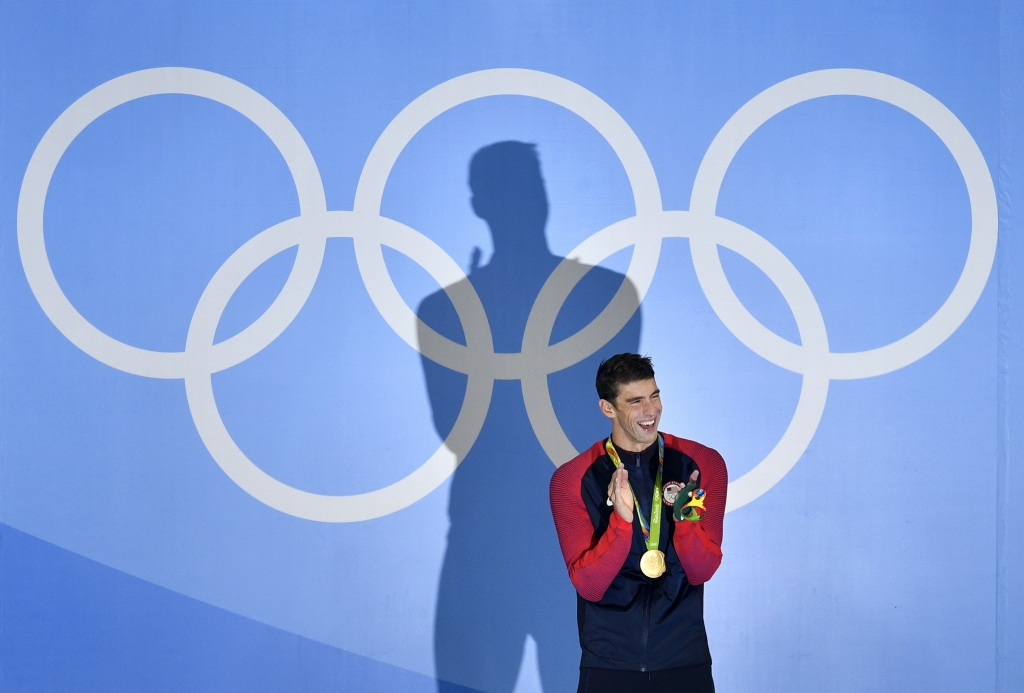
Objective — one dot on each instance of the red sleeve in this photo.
(698, 544)
(593, 561)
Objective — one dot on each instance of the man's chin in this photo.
(646, 438)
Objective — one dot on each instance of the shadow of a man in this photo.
(503, 576)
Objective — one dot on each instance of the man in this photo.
(638, 570)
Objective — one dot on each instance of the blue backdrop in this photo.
(283, 384)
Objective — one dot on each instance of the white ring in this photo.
(759, 252)
(980, 190)
(460, 90)
(60, 135)
(210, 425)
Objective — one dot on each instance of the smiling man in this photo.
(639, 519)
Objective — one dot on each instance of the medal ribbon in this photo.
(652, 529)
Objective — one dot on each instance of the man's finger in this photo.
(624, 484)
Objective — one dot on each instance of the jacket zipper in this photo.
(647, 597)
(647, 622)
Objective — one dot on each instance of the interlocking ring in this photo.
(477, 358)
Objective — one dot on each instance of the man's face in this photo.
(635, 414)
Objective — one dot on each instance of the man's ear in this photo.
(607, 408)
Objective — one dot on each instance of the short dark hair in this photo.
(622, 369)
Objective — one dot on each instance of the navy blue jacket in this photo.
(626, 619)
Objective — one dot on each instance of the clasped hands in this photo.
(620, 496)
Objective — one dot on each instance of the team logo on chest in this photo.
(670, 491)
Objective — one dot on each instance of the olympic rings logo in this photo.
(645, 231)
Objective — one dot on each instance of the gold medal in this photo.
(652, 563)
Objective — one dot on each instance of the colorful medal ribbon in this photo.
(652, 529)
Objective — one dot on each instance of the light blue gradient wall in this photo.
(888, 558)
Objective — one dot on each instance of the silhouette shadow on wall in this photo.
(503, 576)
